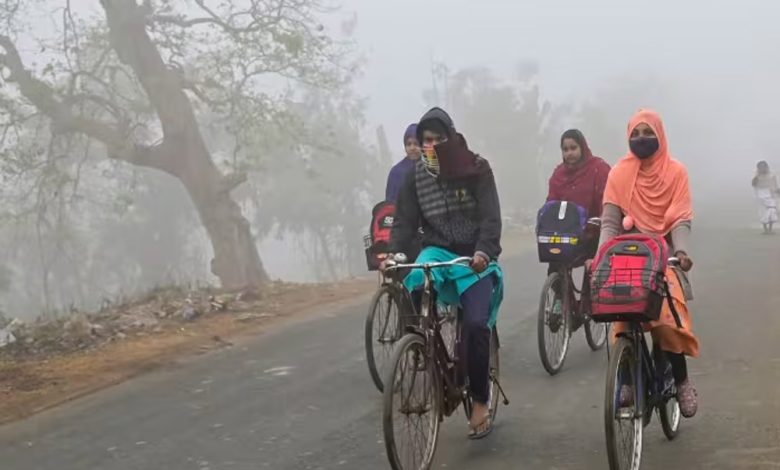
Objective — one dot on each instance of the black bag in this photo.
(559, 230)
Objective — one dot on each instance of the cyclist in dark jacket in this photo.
(452, 196)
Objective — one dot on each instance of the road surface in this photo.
(301, 397)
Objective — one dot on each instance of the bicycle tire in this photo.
(670, 416)
(409, 341)
(551, 367)
(393, 295)
(596, 343)
(495, 376)
(624, 350)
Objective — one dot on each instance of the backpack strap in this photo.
(670, 301)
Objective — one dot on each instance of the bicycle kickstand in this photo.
(501, 391)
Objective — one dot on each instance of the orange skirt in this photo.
(665, 331)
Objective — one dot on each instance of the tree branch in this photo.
(63, 120)
(180, 20)
(231, 181)
(258, 20)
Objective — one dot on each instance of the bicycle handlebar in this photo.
(463, 260)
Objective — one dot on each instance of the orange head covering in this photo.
(653, 192)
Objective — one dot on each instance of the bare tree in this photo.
(139, 80)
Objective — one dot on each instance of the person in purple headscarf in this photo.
(402, 168)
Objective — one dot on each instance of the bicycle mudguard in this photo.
(415, 330)
(685, 283)
(624, 334)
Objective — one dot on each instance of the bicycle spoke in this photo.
(627, 423)
(415, 410)
(555, 331)
(386, 332)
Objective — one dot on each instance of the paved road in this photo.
(301, 398)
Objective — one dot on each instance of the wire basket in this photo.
(627, 294)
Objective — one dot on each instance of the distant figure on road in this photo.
(402, 168)
(765, 185)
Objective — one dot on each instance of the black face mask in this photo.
(643, 147)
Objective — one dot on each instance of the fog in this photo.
(314, 163)
(712, 66)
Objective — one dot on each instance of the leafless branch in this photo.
(42, 96)
(232, 180)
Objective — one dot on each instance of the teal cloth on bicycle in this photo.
(452, 281)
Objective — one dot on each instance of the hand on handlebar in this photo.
(686, 263)
(479, 262)
(386, 262)
(588, 265)
(391, 260)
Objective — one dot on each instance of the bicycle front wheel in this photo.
(384, 327)
(623, 423)
(553, 325)
(411, 406)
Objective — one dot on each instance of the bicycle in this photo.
(562, 313)
(638, 382)
(436, 372)
(390, 311)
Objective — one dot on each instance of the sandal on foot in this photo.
(486, 423)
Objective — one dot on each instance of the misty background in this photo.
(315, 137)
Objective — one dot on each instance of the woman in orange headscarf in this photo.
(647, 191)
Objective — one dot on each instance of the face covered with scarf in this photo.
(433, 132)
(643, 141)
(446, 154)
(648, 185)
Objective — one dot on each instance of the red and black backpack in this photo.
(628, 279)
(378, 240)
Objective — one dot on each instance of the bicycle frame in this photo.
(569, 287)
(566, 271)
(650, 386)
(449, 368)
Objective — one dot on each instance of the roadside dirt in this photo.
(29, 385)
(70, 359)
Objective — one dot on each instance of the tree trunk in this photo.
(236, 260)
(183, 152)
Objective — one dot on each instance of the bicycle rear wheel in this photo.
(623, 424)
(553, 325)
(384, 327)
(494, 375)
(596, 334)
(670, 418)
(411, 406)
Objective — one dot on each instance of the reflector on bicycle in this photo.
(627, 282)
